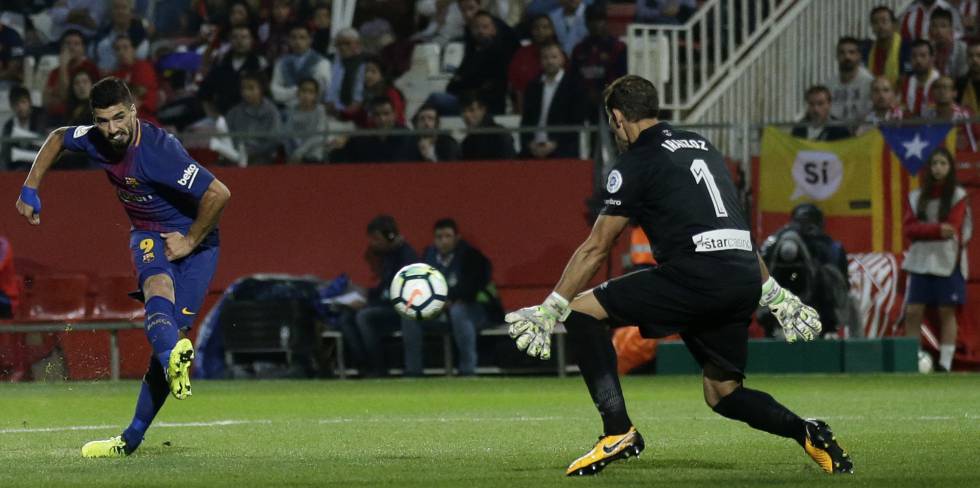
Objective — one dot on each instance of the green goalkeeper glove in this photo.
(797, 319)
(531, 327)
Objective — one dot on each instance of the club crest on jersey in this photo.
(187, 179)
(131, 182)
(614, 182)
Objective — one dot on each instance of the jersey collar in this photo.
(662, 130)
(139, 133)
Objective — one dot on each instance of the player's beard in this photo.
(121, 140)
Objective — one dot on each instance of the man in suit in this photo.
(553, 99)
(814, 124)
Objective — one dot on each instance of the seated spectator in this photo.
(307, 116)
(11, 56)
(552, 100)
(376, 84)
(917, 85)
(227, 72)
(448, 23)
(346, 91)
(968, 10)
(79, 112)
(376, 148)
(945, 108)
(301, 62)
(968, 86)
(483, 146)
(665, 11)
(526, 63)
(432, 148)
(122, 23)
(321, 29)
(219, 42)
(851, 88)
(71, 60)
(884, 105)
(84, 16)
(918, 15)
(257, 115)
(814, 124)
(509, 11)
(140, 76)
(25, 119)
(888, 54)
(472, 300)
(484, 68)
(274, 34)
(569, 22)
(950, 56)
(598, 60)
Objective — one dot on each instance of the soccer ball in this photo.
(925, 362)
(419, 291)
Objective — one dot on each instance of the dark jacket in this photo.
(374, 149)
(566, 109)
(469, 275)
(479, 147)
(829, 133)
(390, 263)
(36, 123)
(447, 149)
(484, 70)
(221, 86)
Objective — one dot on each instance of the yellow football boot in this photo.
(114, 447)
(821, 445)
(608, 449)
(178, 371)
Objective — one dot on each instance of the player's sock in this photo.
(946, 356)
(761, 411)
(161, 328)
(597, 361)
(152, 395)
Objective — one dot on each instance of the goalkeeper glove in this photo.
(531, 327)
(797, 319)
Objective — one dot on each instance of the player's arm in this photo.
(29, 203)
(590, 255)
(209, 210)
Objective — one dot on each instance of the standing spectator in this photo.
(569, 22)
(950, 52)
(139, 75)
(851, 88)
(321, 29)
(241, 58)
(664, 11)
(968, 87)
(917, 85)
(301, 62)
(84, 16)
(122, 23)
(431, 147)
(383, 148)
(526, 63)
(944, 108)
(552, 100)
(472, 303)
(307, 116)
(11, 56)
(346, 92)
(888, 53)
(814, 124)
(884, 105)
(484, 68)
(274, 34)
(918, 15)
(257, 115)
(939, 223)
(377, 83)
(599, 60)
(481, 147)
(71, 60)
(25, 118)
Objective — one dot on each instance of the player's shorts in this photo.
(191, 274)
(936, 290)
(710, 308)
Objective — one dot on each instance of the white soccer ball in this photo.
(925, 362)
(419, 291)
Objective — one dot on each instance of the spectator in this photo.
(139, 75)
(968, 87)
(84, 16)
(241, 58)
(526, 63)
(944, 108)
(484, 68)
(388, 252)
(122, 23)
(918, 15)
(888, 54)
(11, 56)
(884, 105)
(939, 223)
(851, 88)
(569, 22)
(258, 116)
(382, 148)
(307, 116)
(302, 62)
(917, 85)
(511, 12)
(71, 60)
(376, 84)
(968, 10)
(321, 29)
(451, 25)
(483, 146)
(79, 112)
(814, 125)
(346, 93)
(552, 100)
(950, 56)
(434, 147)
(25, 119)
(472, 300)
(275, 34)
(665, 11)
(599, 60)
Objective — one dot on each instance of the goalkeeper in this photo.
(709, 282)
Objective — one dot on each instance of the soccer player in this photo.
(707, 285)
(174, 205)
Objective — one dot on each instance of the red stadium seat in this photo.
(112, 301)
(57, 297)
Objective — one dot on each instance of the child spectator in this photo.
(256, 115)
(307, 116)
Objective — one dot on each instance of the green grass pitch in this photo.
(901, 430)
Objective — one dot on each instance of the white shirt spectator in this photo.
(570, 30)
(849, 101)
(96, 9)
(292, 68)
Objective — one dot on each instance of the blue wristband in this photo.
(29, 196)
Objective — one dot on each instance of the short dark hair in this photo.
(255, 76)
(941, 13)
(814, 89)
(121, 37)
(110, 91)
(849, 40)
(596, 11)
(384, 225)
(298, 25)
(634, 96)
(884, 8)
(426, 106)
(446, 223)
(18, 93)
(483, 13)
(310, 80)
(71, 32)
(378, 101)
(922, 42)
(471, 97)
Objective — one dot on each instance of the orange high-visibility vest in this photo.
(640, 252)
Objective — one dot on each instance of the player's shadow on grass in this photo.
(681, 464)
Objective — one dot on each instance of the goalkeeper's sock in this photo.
(761, 411)
(153, 394)
(597, 361)
(772, 293)
(161, 328)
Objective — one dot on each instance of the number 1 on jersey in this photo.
(701, 172)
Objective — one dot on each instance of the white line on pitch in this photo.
(214, 423)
